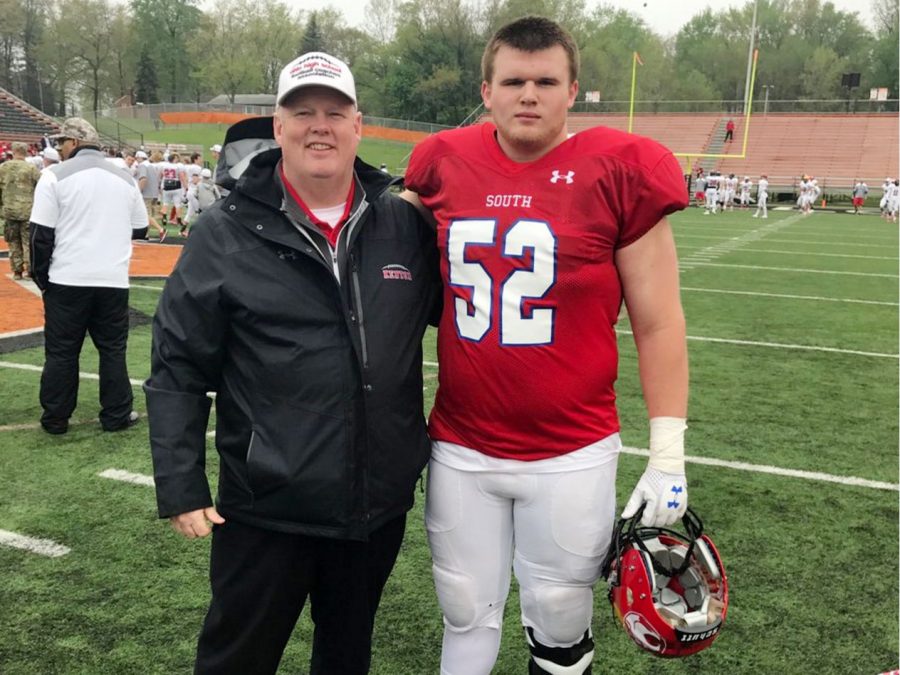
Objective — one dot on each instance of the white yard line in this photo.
(787, 269)
(148, 288)
(786, 295)
(45, 547)
(704, 255)
(141, 479)
(777, 471)
(889, 245)
(127, 477)
(780, 345)
(20, 333)
(824, 255)
(34, 426)
(39, 369)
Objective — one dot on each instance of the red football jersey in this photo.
(526, 344)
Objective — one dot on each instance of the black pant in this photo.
(69, 313)
(260, 581)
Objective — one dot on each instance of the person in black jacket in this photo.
(301, 300)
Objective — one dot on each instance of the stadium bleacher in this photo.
(22, 122)
(837, 149)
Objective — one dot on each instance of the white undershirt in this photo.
(467, 459)
(330, 214)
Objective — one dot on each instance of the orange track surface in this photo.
(23, 310)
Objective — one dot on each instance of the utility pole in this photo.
(767, 87)
(753, 40)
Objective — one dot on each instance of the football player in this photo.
(746, 186)
(542, 236)
(762, 197)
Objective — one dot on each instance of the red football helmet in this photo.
(668, 590)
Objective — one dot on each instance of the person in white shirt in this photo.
(85, 214)
(886, 188)
(147, 175)
(746, 186)
(814, 192)
(893, 202)
(804, 194)
(171, 188)
(50, 157)
(762, 197)
(713, 182)
(860, 190)
(730, 189)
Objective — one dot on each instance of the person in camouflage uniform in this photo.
(18, 179)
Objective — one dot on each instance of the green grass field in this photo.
(372, 150)
(794, 333)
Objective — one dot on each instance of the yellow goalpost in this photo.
(692, 155)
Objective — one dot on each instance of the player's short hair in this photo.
(530, 34)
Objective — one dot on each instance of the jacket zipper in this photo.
(354, 275)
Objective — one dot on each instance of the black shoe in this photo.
(56, 429)
(131, 420)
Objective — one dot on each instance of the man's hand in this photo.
(194, 524)
(666, 497)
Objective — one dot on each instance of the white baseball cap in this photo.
(140, 154)
(216, 148)
(316, 69)
(50, 154)
(205, 173)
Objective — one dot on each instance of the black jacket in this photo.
(319, 421)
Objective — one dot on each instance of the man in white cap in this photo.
(148, 179)
(85, 214)
(50, 157)
(301, 299)
(216, 153)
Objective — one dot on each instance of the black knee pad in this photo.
(574, 660)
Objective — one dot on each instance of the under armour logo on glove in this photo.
(677, 490)
(665, 495)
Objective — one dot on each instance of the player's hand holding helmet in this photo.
(667, 589)
(663, 485)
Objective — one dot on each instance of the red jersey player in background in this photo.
(542, 236)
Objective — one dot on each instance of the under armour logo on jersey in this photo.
(677, 490)
(556, 177)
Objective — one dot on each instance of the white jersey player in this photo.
(746, 186)
(893, 202)
(802, 198)
(814, 192)
(730, 190)
(713, 183)
(886, 188)
(762, 197)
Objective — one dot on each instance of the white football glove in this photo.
(663, 485)
(665, 495)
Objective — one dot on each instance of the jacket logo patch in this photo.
(396, 272)
(287, 255)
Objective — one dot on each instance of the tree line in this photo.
(420, 59)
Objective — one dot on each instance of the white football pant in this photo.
(553, 529)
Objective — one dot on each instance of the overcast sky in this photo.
(665, 17)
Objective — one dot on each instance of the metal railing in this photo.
(799, 107)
